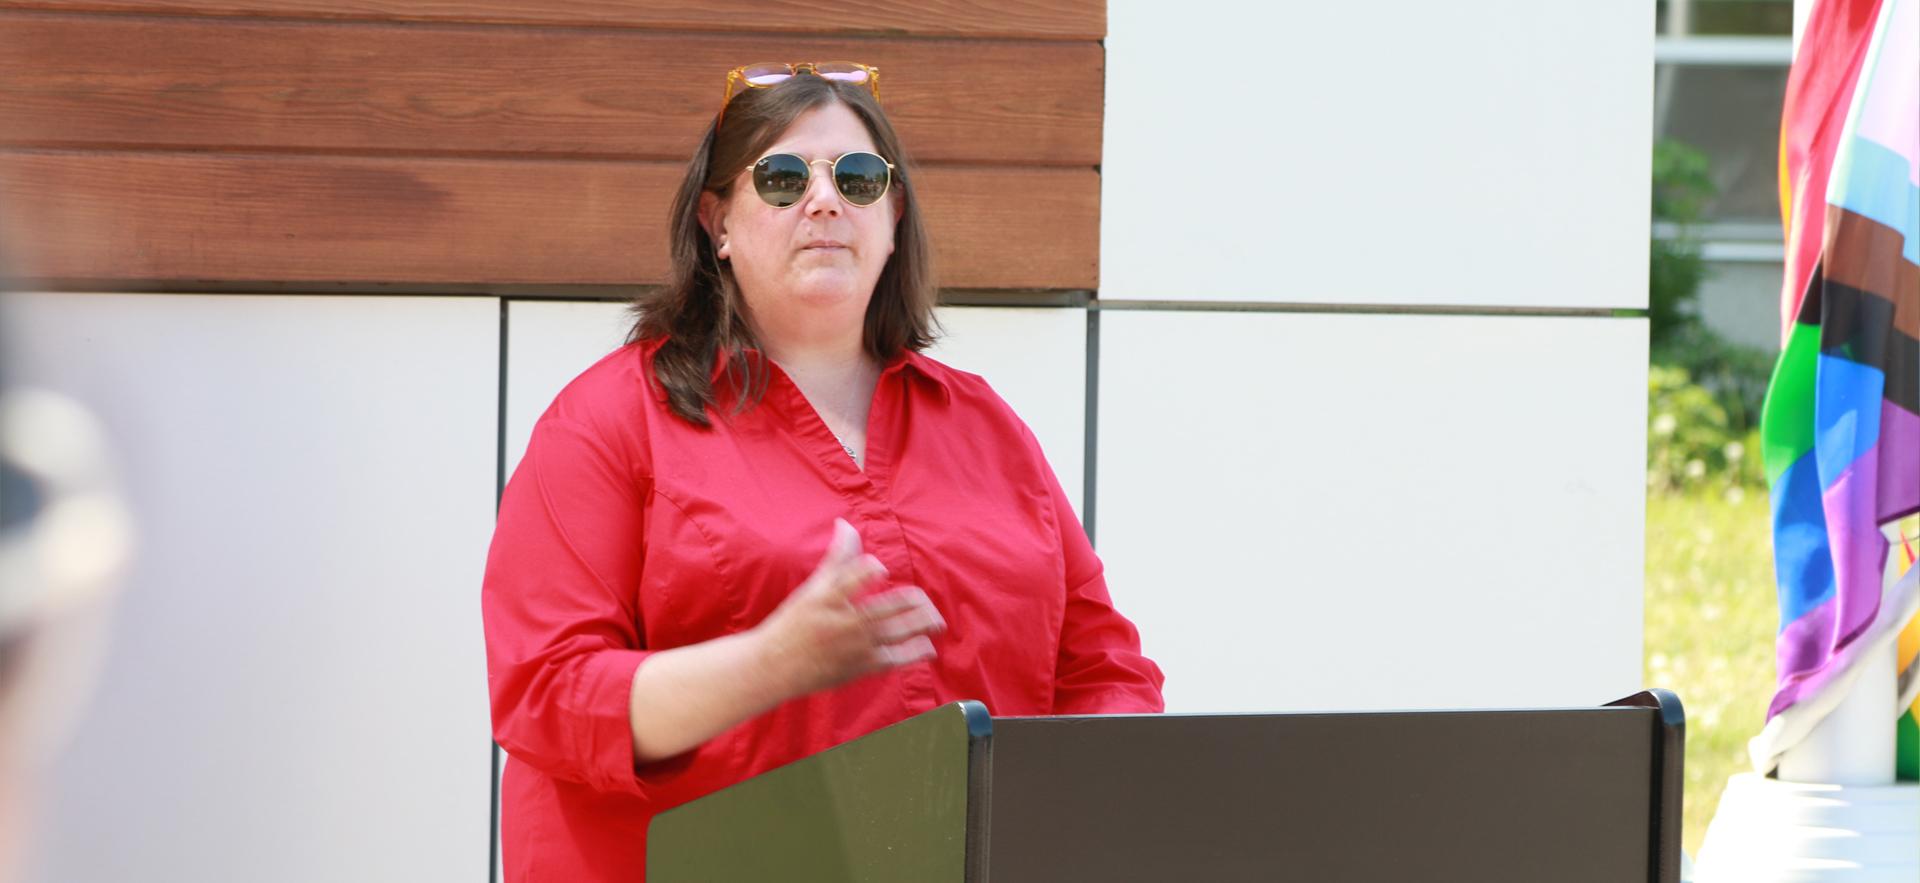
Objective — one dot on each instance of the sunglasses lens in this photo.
(861, 177)
(844, 71)
(766, 73)
(780, 179)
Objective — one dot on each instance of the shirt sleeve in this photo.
(560, 604)
(1100, 669)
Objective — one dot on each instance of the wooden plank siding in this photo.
(275, 142)
(203, 217)
(180, 83)
(1022, 19)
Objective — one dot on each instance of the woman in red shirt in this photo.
(661, 618)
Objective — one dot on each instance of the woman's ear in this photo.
(713, 219)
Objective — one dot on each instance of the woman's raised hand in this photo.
(824, 634)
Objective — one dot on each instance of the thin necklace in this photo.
(845, 447)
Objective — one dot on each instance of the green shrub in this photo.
(1691, 442)
(1735, 375)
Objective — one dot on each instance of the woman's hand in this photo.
(823, 634)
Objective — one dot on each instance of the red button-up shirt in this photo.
(626, 530)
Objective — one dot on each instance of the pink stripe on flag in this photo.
(1888, 116)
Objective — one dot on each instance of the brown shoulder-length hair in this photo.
(699, 314)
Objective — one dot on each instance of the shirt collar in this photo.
(906, 361)
(932, 373)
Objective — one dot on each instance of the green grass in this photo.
(1710, 621)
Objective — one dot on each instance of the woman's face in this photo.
(819, 258)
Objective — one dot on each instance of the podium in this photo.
(957, 795)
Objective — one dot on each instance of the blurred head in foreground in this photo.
(64, 538)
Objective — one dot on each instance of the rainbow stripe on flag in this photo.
(1841, 427)
(1906, 728)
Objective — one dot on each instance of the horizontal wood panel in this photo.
(1056, 19)
(169, 83)
(381, 220)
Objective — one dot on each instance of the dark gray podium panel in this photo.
(1488, 796)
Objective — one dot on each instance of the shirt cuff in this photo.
(605, 696)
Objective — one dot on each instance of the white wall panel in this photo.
(1492, 152)
(549, 342)
(295, 688)
(1034, 357)
(1370, 511)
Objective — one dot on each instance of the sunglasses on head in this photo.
(766, 74)
(781, 179)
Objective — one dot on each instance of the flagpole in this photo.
(1853, 744)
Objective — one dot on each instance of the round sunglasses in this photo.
(862, 178)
